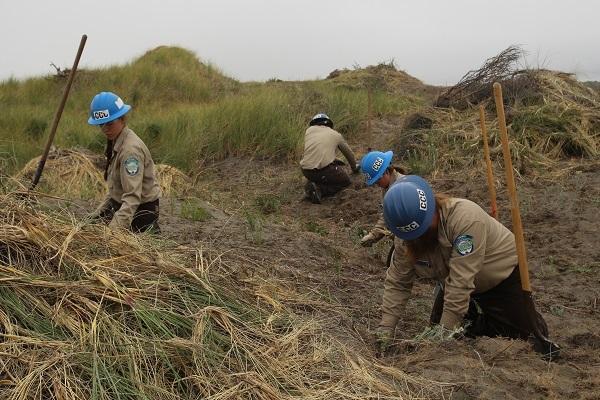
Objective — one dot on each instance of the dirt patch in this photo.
(307, 256)
(314, 249)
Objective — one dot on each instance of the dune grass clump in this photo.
(185, 110)
(87, 313)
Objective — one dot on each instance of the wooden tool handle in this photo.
(488, 163)
(40, 168)
(510, 182)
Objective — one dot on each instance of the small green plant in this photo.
(557, 310)
(192, 209)
(312, 226)
(254, 224)
(548, 269)
(268, 203)
(356, 233)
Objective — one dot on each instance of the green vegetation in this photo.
(254, 227)
(315, 227)
(184, 110)
(192, 209)
(268, 203)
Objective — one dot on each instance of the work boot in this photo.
(550, 351)
(313, 193)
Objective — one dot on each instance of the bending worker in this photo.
(471, 255)
(325, 173)
(378, 169)
(133, 192)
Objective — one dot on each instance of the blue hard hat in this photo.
(321, 119)
(408, 207)
(374, 164)
(106, 107)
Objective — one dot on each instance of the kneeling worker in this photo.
(378, 169)
(470, 254)
(133, 192)
(324, 172)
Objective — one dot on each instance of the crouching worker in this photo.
(325, 173)
(472, 256)
(133, 192)
(378, 170)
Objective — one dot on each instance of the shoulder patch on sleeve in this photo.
(132, 166)
(463, 244)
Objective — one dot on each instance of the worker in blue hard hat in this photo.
(471, 255)
(378, 170)
(324, 172)
(133, 195)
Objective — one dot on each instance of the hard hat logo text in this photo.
(422, 200)
(410, 227)
(101, 114)
(377, 164)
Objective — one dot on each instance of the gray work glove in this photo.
(368, 240)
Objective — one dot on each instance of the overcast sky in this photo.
(437, 40)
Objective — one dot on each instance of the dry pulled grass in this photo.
(172, 181)
(88, 313)
(70, 173)
(552, 118)
(78, 174)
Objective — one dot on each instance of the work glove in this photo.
(437, 333)
(368, 240)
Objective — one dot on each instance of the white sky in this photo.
(435, 40)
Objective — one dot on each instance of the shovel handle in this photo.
(488, 163)
(42, 163)
(510, 182)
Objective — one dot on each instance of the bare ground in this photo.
(312, 251)
(308, 257)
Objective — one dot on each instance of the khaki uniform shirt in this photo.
(380, 230)
(320, 146)
(131, 177)
(474, 254)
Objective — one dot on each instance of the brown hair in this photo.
(427, 241)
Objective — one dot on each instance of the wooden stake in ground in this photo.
(61, 106)
(538, 328)
(488, 163)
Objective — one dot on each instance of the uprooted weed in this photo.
(87, 313)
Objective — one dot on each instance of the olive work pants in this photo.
(501, 311)
(330, 179)
(144, 219)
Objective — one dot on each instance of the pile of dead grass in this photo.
(70, 173)
(453, 143)
(91, 313)
(550, 115)
(172, 181)
(78, 174)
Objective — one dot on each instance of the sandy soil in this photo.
(313, 251)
